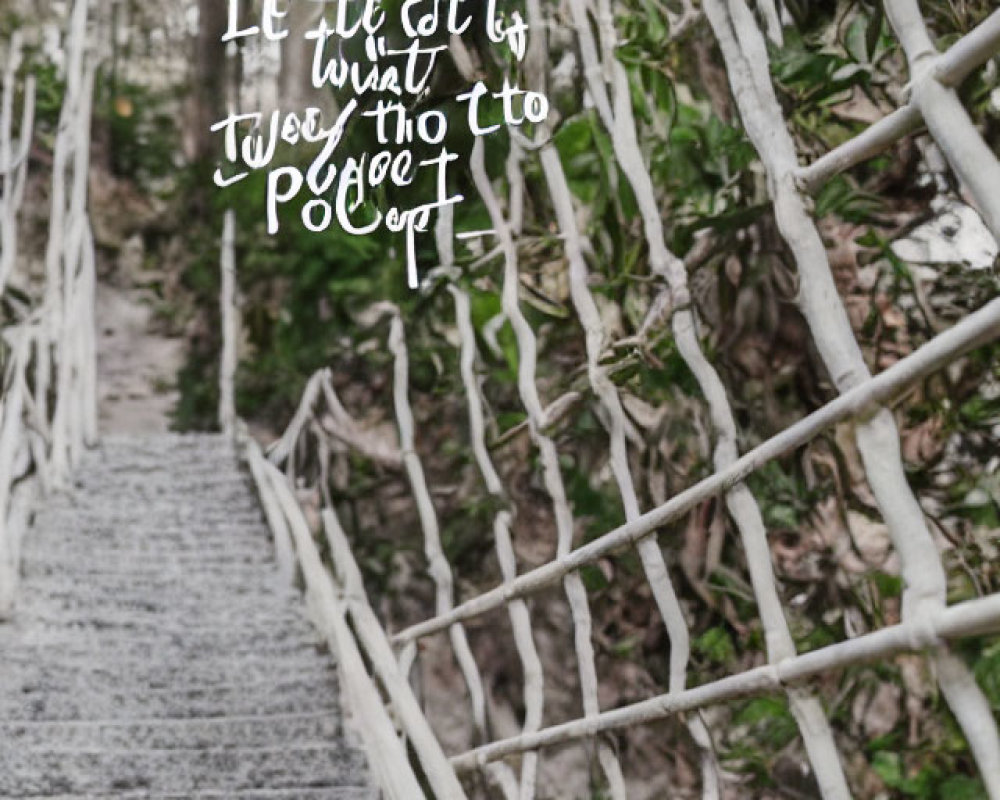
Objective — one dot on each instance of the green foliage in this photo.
(49, 92)
(301, 292)
(783, 497)
(716, 645)
(927, 781)
(765, 725)
(597, 506)
(842, 198)
(143, 139)
(987, 672)
(771, 720)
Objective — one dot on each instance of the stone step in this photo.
(190, 563)
(164, 541)
(101, 510)
(50, 612)
(135, 598)
(173, 640)
(163, 498)
(170, 734)
(186, 570)
(331, 792)
(110, 630)
(156, 652)
(37, 701)
(89, 674)
(75, 772)
(99, 652)
(167, 592)
(165, 441)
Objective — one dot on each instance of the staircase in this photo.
(155, 651)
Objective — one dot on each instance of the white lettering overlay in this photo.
(356, 52)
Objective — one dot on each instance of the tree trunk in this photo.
(296, 91)
(207, 103)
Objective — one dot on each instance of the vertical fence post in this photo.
(13, 165)
(230, 327)
(11, 434)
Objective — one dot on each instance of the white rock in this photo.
(956, 235)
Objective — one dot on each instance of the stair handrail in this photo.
(337, 604)
(336, 598)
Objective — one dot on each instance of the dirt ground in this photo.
(136, 366)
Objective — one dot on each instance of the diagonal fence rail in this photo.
(928, 625)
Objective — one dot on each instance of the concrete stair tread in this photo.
(283, 767)
(331, 792)
(173, 732)
(156, 652)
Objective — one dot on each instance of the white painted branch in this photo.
(372, 635)
(65, 254)
(386, 752)
(9, 199)
(772, 21)
(947, 120)
(63, 325)
(87, 332)
(284, 550)
(7, 106)
(972, 50)
(282, 450)
(968, 53)
(12, 531)
(18, 170)
(13, 166)
(878, 137)
(336, 423)
(437, 564)
(975, 617)
(8, 243)
(520, 618)
(745, 54)
(341, 425)
(977, 329)
(978, 168)
(653, 562)
(742, 507)
(67, 438)
(552, 477)
(230, 327)
(11, 435)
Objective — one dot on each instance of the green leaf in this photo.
(889, 768)
(716, 645)
(888, 585)
(593, 578)
(856, 40)
(849, 71)
(961, 787)
(770, 716)
(987, 672)
(874, 31)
